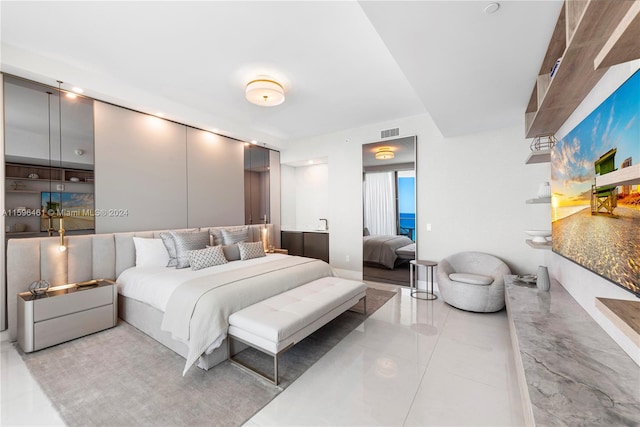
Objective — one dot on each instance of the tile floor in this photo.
(411, 363)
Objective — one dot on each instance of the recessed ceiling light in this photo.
(310, 162)
(160, 114)
(71, 95)
(77, 89)
(254, 142)
(491, 8)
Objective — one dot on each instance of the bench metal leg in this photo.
(365, 305)
(275, 380)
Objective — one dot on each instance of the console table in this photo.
(569, 370)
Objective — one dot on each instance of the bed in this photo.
(147, 294)
(387, 251)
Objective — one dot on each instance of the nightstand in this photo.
(66, 312)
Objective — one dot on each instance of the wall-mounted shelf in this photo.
(582, 29)
(539, 200)
(536, 245)
(540, 156)
(623, 44)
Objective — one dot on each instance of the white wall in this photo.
(288, 198)
(471, 189)
(3, 288)
(583, 285)
(306, 196)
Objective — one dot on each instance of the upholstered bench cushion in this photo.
(472, 279)
(285, 319)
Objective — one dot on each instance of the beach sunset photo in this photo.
(595, 184)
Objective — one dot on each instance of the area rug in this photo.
(121, 377)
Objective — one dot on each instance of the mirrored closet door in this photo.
(389, 209)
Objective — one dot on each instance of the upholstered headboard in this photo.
(96, 256)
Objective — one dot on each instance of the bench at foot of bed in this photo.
(277, 323)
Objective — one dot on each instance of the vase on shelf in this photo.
(544, 190)
(543, 282)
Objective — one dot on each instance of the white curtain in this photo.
(380, 203)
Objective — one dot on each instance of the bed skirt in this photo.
(148, 319)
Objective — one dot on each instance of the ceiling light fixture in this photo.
(77, 89)
(491, 8)
(384, 153)
(265, 92)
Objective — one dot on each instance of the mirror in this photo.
(256, 185)
(389, 210)
(41, 171)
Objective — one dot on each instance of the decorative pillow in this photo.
(186, 242)
(231, 252)
(216, 236)
(235, 235)
(365, 232)
(472, 279)
(208, 257)
(170, 246)
(150, 252)
(251, 250)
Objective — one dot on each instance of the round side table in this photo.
(413, 279)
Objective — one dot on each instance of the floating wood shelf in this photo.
(623, 45)
(582, 30)
(624, 314)
(540, 156)
(536, 245)
(539, 200)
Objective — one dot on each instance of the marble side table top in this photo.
(575, 373)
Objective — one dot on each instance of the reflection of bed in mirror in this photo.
(388, 251)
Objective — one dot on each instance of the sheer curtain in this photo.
(380, 202)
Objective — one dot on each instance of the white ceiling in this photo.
(343, 64)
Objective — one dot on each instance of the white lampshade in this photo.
(266, 93)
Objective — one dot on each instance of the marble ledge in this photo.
(575, 374)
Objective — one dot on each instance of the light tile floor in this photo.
(411, 363)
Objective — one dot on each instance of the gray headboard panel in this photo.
(97, 256)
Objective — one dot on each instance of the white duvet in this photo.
(154, 285)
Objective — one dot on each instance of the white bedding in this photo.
(154, 285)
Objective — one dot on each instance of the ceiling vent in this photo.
(388, 133)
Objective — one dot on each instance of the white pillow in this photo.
(150, 252)
(472, 279)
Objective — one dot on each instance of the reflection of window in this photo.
(406, 204)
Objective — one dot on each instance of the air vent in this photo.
(388, 133)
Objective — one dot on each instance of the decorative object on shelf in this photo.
(18, 186)
(529, 279)
(543, 142)
(265, 92)
(384, 153)
(543, 282)
(544, 190)
(539, 236)
(74, 179)
(39, 287)
(555, 67)
(19, 228)
(34, 176)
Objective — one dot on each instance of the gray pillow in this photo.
(216, 235)
(186, 242)
(231, 252)
(251, 250)
(170, 244)
(235, 235)
(208, 257)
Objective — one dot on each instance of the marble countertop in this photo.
(575, 373)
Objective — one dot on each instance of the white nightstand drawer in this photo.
(49, 308)
(74, 325)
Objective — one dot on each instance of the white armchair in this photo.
(473, 281)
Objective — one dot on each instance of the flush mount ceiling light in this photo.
(491, 8)
(265, 92)
(384, 153)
